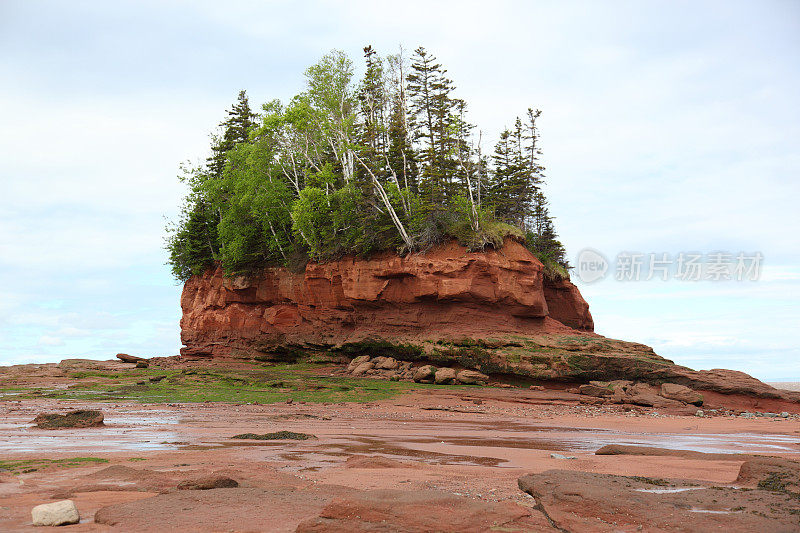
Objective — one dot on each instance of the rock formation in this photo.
(492, 311)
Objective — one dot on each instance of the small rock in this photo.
(784, 414)
(536, 387)
(207, 483)
(477, 401)
(699, 413)
(289, 400)
(142, 364)
(84, 418)
(55, 514)
(156, 379)
(559, 456)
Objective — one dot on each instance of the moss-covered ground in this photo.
(24, 466)
(256, 383)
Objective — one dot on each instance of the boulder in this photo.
(74, 419)
(356, 362)
(592, 389)
(425, 374)
(472, 377)
(445, 376)
(681, 393)
(207, 483)
(362, 369)
(129, 358)
(385, 363)
(55, 514)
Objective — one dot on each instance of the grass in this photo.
(256, 384)
(24, 466)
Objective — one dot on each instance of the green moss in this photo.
(22, 466)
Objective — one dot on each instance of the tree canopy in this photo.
(357, 167)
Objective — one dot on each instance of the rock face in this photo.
(565, 304)
(447, 292)
(55, 514)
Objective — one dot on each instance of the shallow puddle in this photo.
(137, 431)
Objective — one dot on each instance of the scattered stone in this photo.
(536, 388)
(472, 377)
(559, 456)
(477, 401)
(129, 358)
(785, 414)
(681, 393)
(290, 401)
(74, 419)
(700, 413)
(277, 435)
(207, 483)
(425, 374)
(142, 364)
(156, 379)
(141, 382)
(573, 391)
(445, 376)
(55, 514)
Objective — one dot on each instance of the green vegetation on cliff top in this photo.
(355, 167)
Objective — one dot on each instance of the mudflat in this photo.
(329, 453)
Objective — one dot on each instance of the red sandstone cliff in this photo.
(445, 293)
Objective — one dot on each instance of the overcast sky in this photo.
(667, 127)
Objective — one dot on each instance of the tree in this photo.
(345, 167)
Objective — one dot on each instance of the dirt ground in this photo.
(443, 459)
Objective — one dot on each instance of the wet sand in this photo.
(473, 444)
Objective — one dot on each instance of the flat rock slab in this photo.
(582, 501)
(74, 419)
(421, 511)
(279, 509)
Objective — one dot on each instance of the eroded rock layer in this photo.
(445, 293)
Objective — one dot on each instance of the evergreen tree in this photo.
(355, 168)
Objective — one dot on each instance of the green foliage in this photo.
(346, 167)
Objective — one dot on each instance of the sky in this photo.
(666, 127)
